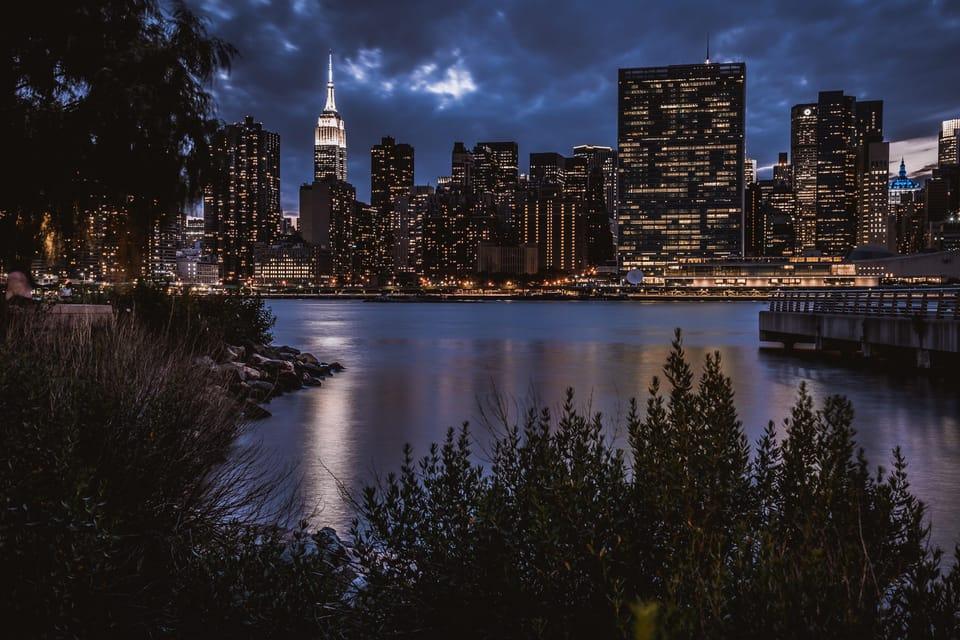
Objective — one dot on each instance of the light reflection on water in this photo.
(414, 369)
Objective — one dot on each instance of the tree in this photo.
(103, 103)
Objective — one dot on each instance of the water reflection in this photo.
(416, 369)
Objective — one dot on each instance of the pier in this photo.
(874, 322)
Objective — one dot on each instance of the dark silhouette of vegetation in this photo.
(207, 321)
(120, 518)
(680, 536)
(118, 514)
(102, 103)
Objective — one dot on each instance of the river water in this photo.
(414, 369)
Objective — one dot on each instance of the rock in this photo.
(289, 381)
(315, 370)
(308, 358)
(310, 381)
(286, 357)
(254, 411)
(235, 353)
(288, 350)
(261, 389)
(249, 373)
(336, 366)
(263, 361)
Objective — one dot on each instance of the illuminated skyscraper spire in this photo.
(330, 137)
(708, 49)
(331, 102)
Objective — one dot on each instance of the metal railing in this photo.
(939, 303)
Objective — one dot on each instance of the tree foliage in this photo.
(566, 536)
(103, 103)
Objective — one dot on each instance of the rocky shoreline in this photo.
(257, 373)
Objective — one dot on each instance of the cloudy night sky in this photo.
(545, 73)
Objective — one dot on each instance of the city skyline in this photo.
(486, 74)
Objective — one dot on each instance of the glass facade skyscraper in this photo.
(681, 157)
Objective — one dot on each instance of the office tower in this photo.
(681, 153)
(330, 137)
(753, 237)
(334, 207)
(783, 170)
(450, 236)
(391, 172)
(835, 231)
(546, 168)
(192, 231)
(830, 142)
(907, 213)
(391, 181)
(241, 204)
(778, 216)
(873, 206)
(162, 245)
(556, 224)
(948, 142)
(322, 204)
(496, 172)
(370, 258)
(749, 171)
(942, 194)
(416, 206)
(604, 159)
(461, 173)
(803, 151)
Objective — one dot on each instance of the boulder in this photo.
(288, 350)
(254, 411)
(315, 370)
(310, 381)
(260, 389)
(336, 366)
(289, 381)
(308, 358)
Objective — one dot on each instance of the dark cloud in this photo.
(545, 73)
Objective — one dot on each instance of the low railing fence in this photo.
(940, 303)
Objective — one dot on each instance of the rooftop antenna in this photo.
(708, 48)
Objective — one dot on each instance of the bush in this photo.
(566, 536)
(214, 319)
(118, 514)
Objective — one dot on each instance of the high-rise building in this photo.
(241, 204)
(836, 222)
(778, 208)
(604, 159)
(803, 151)
(461, 167)
(391, 182)
(948, 142)
(907, 214)
(873, 208)
(681, 153)
(556, 224)
(783, 170)
(753, 218)
(834, 184)
(749, 171)
(546, 167)
(496, 172)
(391, 172)
(330, 137)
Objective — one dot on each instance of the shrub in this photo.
(567, 536)
(233, 318)
(118, 514)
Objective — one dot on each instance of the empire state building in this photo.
(330, 138)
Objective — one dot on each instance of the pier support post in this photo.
(866, 350)
(923, 359)
(818, 343)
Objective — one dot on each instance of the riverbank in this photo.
(257, 373)
(644, 296)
